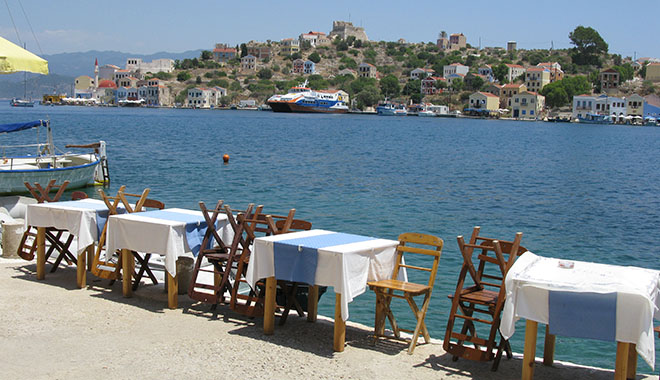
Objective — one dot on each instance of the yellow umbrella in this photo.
(14, 58)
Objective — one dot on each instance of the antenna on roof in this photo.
(552, 45)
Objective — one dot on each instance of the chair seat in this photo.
(481, 297)
(407, 287)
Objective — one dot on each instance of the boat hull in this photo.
(12, 181)
(293, 107)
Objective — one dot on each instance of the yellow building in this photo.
(84, 82)
(536, 78)
(484, 101)
(527, 105)
(653, 71)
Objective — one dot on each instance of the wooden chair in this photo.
(55, 237)
(215, 251)
(410, 244)
(247, 228)
(290, 290)
(481, 303)
(78, 195)
(142, 259)
(110, 268)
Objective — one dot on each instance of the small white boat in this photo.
(426, 113)
(46, 164)
(17, 102)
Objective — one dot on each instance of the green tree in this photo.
(555, 95)
(244, 51)
(626, 71)
(198, 80)
(361, 83)
(314, 57)
(342, 46)
(183, 76)
(474, 83)
(589, 46)
(206, 55)
(265, 73)
(416, 97)
(500, 72)
(457, 84)
(235, 86)
(414, 86)
(389, 86)
(368, 97)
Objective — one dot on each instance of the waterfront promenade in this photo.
(52, 330)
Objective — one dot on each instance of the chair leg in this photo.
(379, 323)
(419, 316)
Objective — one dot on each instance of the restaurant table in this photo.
(83, 218)
(171, 232)
(584, 300)
(321, 258)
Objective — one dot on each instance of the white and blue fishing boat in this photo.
(44, 164)
(304, 99)
(592, 118)
(390, 109)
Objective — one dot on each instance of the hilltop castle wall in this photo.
(343, 29)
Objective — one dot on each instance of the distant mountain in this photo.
(65, 67)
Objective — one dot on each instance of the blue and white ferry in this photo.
(304, 99)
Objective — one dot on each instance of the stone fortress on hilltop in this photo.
(343, 29)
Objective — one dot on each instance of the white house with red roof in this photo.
(421, 73)
(513, 72)
(455, 68)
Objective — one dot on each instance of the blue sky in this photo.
(146, 27)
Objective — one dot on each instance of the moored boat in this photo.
(595, 119)
(46, 164)
(18, 102)
(304, 99)
(390, 109)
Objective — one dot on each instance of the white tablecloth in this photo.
(532, 277)
(346, 268)
(78, 220)
(158, 236)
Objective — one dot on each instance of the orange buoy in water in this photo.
(225, 158)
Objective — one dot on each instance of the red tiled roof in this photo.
(537, 69)
(513, 85)
(514, 66)
(488, 94)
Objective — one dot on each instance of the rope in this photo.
(13, 23)
(30, 25)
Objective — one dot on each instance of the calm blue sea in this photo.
(583, 192)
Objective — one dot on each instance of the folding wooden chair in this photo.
(248, 227)
(409, 243)
(142, 259)
(479, 305)
(55, 237)
(110, 268)
(218, 255)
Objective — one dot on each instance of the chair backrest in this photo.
(78, 195)
(494, 259)
(296, 225)
(139, 203)
(42, 195)
(211, 216)
(153, 204)
(418, 244)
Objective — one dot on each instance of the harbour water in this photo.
(582, 192)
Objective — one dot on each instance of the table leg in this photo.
(529, 353)
(81, 270)
(172, 290)
(621, 366)
(127, 272)
(340, 326)
(269, 306)
(548, 347)
(41, 253)
(90, 257)
(632, 361)
(312, 303)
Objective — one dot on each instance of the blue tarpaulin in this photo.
(15, 127)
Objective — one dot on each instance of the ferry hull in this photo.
(293, 107)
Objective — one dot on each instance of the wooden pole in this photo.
(621, 366)
(127, 272)
(531, 329)
(548, 347)
(269, 306)
(41, 253)
(172, 290)
(632, 361)
(81, 269)
(312, 303)
(340, 326)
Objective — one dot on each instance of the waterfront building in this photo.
(223, 53)
(309, 67)
(165, 65)
(107, 72)
(421, 73)
(83, 86)
(556, 73)
(121, 94)
(652, 106)
(298, 66)
(609, 80)
(157, 95)
(583, 105)
(454, 68)
(429, 85)
(509, 90)
(484, 101)
(635, 105)
(249, 62)
(344, 29)
(290, 45)
(610, 106)
(494, 89)
(653, 71)
(536, 78)
(201, 97)
(128, 82)
(513, 72)
(105, 92)
(367, 70)
(527, 105)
